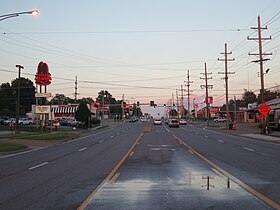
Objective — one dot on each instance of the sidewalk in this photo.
(249, 130)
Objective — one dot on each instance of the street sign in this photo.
(42, 109)
(264, 109)
(42, 95)
(260, 117)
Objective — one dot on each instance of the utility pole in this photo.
(188, 82)
(18, 98)
(206, 86)
(123, 107)
(177, 100)
(261, 60)
(76, 89)
(226, 53)
(182, 101)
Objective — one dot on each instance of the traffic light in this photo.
(152, 103)
(138, 103)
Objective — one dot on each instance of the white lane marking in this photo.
(266, 154)
(205, 136)
(39, 165)
(100, 141)
(111, 136)
(220, 141)
(21, 153)
(82, 149)
(118, 133)
(196, 133)
(246, 148)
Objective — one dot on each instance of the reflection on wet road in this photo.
(161, 174)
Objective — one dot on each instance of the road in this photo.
(122, 167)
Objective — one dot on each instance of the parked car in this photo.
(216, 120)
(64, 122)
(173, 123)
(25, 121)
(183, 121)
(9, 121)
(74, 122)
(133, 119)
(157, 122)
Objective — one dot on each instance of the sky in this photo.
(142, 49)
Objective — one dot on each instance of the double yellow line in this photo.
(262, 197)
(111, 174)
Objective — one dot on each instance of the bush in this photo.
(95, 121)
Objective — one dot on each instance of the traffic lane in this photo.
(20, 162)
(161, 174)
(258, 171)
(267, 148)
(58, 182)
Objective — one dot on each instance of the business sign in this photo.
(43, 77)
(42, 95)
(42, 109)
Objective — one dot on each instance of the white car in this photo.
(25, 121)
(157, 122)
(220, 120)
(9, 121)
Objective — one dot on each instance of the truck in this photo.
(274, 119)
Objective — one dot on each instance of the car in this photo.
(216, 120)
(74, 123)
(157, 122)
(25, 121)
(63, 122)
(167, 121)
(133, 119)
(173, 123)
(10, 121)
(183, 121)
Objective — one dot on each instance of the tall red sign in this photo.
(43, 77)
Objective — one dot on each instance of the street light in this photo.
(32, 12)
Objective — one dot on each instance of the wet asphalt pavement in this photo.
(162, 174)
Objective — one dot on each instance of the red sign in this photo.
(260, 117)
(210, 100)
(264, 109)
(43, 77)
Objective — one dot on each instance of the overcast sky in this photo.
(140, 48)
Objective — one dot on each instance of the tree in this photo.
(108, 98)
(249, 97)
(61, 99)
(8, 95)
(83, 113)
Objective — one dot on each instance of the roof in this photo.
(65, 109)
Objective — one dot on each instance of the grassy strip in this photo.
(42, 136)
(7, 147)
(50, 136)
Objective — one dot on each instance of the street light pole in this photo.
(32, 12)
(18, 98)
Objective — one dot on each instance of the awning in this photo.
(65, 109)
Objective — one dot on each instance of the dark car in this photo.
(174, 123)
(133, 119)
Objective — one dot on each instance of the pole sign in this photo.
(264, 109)
(42, 95)
(42, 109)
(43, 77)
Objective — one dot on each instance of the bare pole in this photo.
(76, 89)
(123, 107)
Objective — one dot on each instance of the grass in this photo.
(50, 136)
(7, 147)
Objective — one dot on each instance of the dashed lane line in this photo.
(39, 165)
